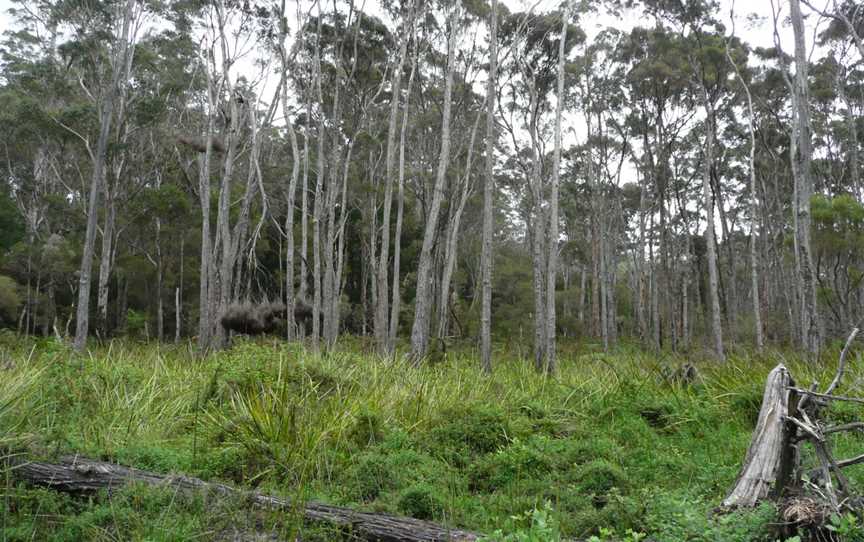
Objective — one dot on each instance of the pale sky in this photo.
(756, 31)
(760, 35)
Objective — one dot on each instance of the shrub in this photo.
(421, 501)
(369, 476)
(619, 512)
(465, 431)
(368, 429)
(517, 461)
(541, 527)
(599, 476)
(9, 300)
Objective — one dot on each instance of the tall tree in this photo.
(121, 24)
(488, 188)
(423, 298)
(552, 258)
(382, 325)
(811, 333)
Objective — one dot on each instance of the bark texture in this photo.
(106, 114)
(81, 476)
(423, 303)
(768, 463)
(810, 323)
(488, 187)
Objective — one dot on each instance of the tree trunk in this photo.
(106, 112)
(552, 258)
(382, 327)
(395, 305)
(319, 194)
(451, 248)
(303, 294)
(811, 325)
(537, 224)
(769, 461)
(84, 477)
(292, 188)
(105, 263)
(423, 301)
(207, 282)
(710, 241)
(488, 186)
(329, 298)
(754, 212)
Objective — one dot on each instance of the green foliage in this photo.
(9, 300)
(18, 399)
(599, 476)
(542, 527)
(466, 430)
(846, 527)
(421, 501)
(11, 222)
(607, 449)
(368, 429)
(517, 461)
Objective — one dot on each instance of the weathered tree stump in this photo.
(770, 460)
(80, 476)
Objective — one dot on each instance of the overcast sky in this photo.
(756, 35)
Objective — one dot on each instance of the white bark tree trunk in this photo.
(451, 248)
(292, 187)
(486, 255)
(754, 212)
(395, 305)
(423, 302)
(120, 57)
(381, 323)
(811, 332)
(552, 258)
(708, 203)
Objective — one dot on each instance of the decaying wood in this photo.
(841, 366)
(827, 396)
(81, 476)
(852, 426)
(784, 424)
(769, 460)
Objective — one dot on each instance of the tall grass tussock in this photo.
(610, 447)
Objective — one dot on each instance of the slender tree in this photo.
(552, 258)
(811, 333)
(423, 299)
(381, 324)
(121, 49)
(488, 188)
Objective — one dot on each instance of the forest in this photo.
(431, 270)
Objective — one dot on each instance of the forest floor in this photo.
(609, 448)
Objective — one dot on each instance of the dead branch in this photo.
(826, 396)
(842, 365)
(81, 476)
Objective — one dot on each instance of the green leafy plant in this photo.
(541, 527)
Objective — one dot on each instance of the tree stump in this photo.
(770, 459)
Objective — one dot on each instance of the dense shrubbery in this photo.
(606, 449)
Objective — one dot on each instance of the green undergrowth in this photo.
(608, 449)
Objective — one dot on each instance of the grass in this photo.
(609, 448)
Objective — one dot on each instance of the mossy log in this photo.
(770, 458)
(80, 476)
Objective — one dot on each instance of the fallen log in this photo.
(770, 460)
(81, 476)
